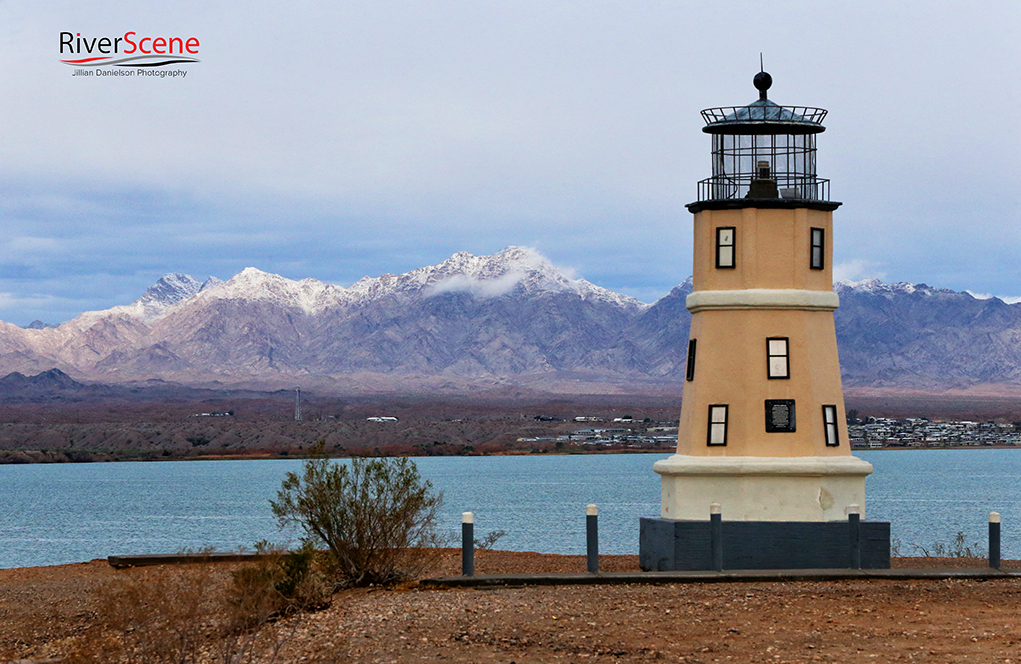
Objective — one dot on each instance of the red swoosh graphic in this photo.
(78, 62)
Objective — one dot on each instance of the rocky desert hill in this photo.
(502, 322)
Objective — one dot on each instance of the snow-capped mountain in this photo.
(170, 290)
(470, 316)
(508, 318)
(877, 287)
(914, 335)
(310, 296)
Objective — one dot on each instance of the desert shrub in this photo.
(295, 574)
(490, 540)
(191, 613)
(959, 548)
(375, 516)
(150, 618)
(278, 583)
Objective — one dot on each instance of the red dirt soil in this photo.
(44, 610)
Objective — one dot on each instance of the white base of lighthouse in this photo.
(762, 488)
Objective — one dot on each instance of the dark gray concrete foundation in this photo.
(667, 546)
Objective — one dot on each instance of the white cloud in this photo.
(34, 244)
(478, 287)
(856, 270)
(11, 301)
(1009, 299)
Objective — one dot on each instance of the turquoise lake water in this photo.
(76, 512)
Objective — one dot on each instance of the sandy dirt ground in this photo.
(45, 611)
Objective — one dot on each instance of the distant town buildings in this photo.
(880, 432)
(647, 435)
(872, 433)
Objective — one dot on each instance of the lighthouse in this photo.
(762, 438)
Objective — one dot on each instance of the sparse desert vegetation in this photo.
(58, 611)
(31, 433)
(264, 426)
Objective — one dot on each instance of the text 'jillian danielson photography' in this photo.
(141, 73)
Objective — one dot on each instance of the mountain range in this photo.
(503, 321)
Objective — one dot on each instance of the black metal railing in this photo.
(737, 186)
(764, 113)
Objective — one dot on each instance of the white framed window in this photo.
(690, 369)
(829, 420)
(778, 360)
(725, 246)
(717, 434)
(818, 259)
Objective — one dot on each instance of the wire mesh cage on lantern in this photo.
(764, 150)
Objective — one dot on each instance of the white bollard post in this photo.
(592, 537)
(467, 544)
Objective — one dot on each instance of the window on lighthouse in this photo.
(829, 418)
(818, 248)
(718, 424)
(690, 370)
(778, 362)
(725, 246)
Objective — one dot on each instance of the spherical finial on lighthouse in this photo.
(762, 83)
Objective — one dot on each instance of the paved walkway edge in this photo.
(736, 576)
(180, 558)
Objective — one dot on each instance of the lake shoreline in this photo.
(516, 453)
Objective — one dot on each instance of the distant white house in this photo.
(381, 418)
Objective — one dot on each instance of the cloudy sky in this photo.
(335, 140)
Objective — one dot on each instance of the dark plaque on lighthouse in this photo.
(780, 415)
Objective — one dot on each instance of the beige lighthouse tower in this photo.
(763, 435)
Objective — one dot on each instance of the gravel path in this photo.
(45, 611)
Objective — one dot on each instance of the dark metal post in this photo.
(716, 536)
(592, 537)
(854, 535)
(468, 544)
(994, 540)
